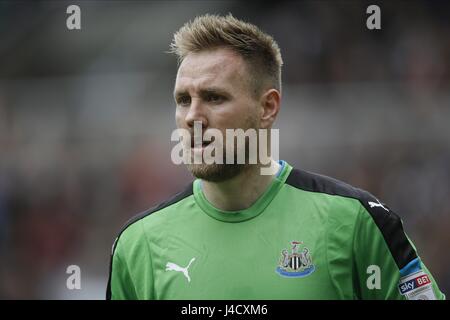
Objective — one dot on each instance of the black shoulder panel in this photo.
(314, 182)
(174, 199)
(388, 222)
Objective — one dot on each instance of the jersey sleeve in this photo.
(120, 284)
(131, 268)
(386, 263)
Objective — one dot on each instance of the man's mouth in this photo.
(203, 144)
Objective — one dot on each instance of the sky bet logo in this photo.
(414, 283)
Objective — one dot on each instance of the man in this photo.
(235, 233)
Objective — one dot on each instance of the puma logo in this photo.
(377, 204)
(170, 266)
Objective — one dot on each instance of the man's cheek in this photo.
(179, 119)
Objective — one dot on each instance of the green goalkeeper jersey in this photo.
(307, 237)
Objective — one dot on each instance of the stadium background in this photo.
(86, 117)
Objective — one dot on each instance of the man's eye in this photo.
(184, 101)
(214, 98)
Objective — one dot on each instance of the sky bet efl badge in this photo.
(417, 286)
(297, 263)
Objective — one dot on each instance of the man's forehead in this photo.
(220, 67)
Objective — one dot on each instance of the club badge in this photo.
(296, 264)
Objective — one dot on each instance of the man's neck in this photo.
(240, 192)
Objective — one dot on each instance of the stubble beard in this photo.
(219, 172)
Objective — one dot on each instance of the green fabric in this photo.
(237, 253)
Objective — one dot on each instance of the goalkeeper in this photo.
(237, 234)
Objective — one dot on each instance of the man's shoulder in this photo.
(319, 183)
(166, 205)
(325, 185)
(372, 215)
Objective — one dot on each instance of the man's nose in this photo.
(197, 112)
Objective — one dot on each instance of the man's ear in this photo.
(270, 106)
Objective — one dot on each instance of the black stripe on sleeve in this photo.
(388, 222)
(391, 227)
(176, 198)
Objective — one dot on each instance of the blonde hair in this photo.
(258, 49)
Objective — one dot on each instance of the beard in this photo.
(219, 172)
(216, 172)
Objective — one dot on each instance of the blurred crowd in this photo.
(86, 118)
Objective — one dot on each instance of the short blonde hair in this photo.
(259, 50)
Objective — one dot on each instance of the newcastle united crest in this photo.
(297, 263)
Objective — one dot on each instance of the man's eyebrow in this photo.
(214, 90)
(203, 91)
(178, 93)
